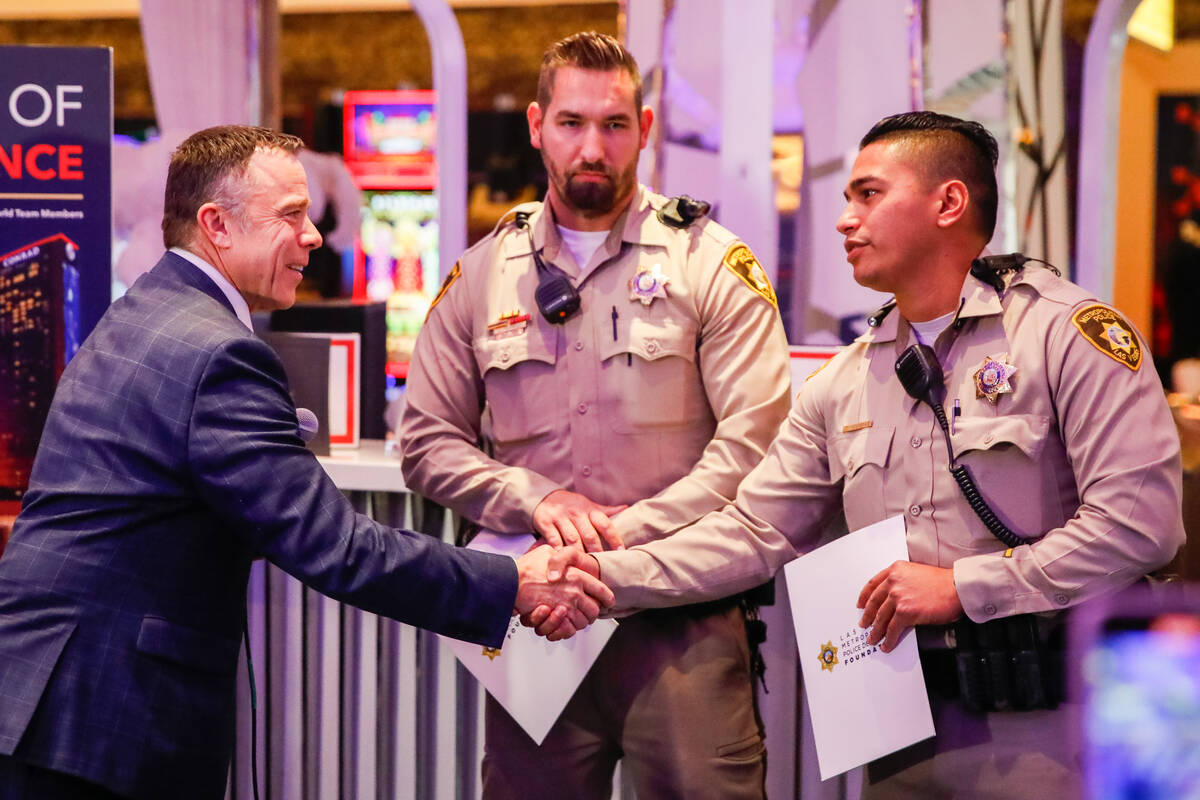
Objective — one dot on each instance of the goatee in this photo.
(591, 196)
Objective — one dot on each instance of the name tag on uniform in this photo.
(858, 426)
(510, 324)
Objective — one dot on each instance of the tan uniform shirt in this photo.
(663, 405)
(1081, 457)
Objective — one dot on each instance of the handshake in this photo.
(559, 591)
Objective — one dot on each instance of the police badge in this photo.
(991, 380)
(647, 284)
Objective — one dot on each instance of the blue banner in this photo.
(56, 132)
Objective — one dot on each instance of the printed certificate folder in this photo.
(533, 679)
(864, 703)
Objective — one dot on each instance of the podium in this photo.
(346, 316)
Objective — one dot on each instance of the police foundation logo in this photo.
(828, 655)
(1108, 332)
(851, 648)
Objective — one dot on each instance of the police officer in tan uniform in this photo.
(612, 425)
(1054, 408)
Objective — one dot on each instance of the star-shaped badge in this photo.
(828, 655)
(1118, 337)
(647, 284)
(992, 379)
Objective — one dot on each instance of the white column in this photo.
(1095, 219)
(450, 82)
(747, 191)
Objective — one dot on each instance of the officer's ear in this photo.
(953, 200)
(647, 119)
(533, 115)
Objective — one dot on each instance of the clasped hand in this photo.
(566, 518)
(559, 591)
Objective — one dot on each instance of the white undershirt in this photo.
(240, 307)
(928, 331)
(582, 244)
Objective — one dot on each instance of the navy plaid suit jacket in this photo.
(169, 460)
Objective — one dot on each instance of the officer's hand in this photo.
(559, 591)
(907, 594)
(567, 518)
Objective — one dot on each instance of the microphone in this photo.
(308, 424)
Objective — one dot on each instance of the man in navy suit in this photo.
(170, 459)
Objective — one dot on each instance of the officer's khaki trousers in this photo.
(670, 696)
(1010, 754)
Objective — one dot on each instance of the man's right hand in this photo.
(565, 518)
(575, 596)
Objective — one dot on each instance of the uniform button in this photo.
(652, 347)
(989, 609)
(914, 510)
(579, 345)
(987, 438)
(1061, 599)
(586, 471)
(504, 355)
(581, 408)
(915, 441)
(850, 465)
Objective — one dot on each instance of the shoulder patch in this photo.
(741, 262)
(446, 284)
(1109, 333)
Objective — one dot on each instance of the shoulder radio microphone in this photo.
(556, 297)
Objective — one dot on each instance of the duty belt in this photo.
(999, 665)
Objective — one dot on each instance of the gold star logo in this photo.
(828, 655)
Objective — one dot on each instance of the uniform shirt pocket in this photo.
(1024, 432)
(649, 378)
(523, 397)
(1004, 457)
(860, 459)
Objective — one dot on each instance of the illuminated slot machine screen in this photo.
(390, 150)
(399, 256)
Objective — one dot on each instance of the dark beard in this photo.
(591, 197)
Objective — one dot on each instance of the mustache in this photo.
(592, 166)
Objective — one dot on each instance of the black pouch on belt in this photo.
(1003, 665)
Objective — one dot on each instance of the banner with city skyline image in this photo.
(56, 127)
